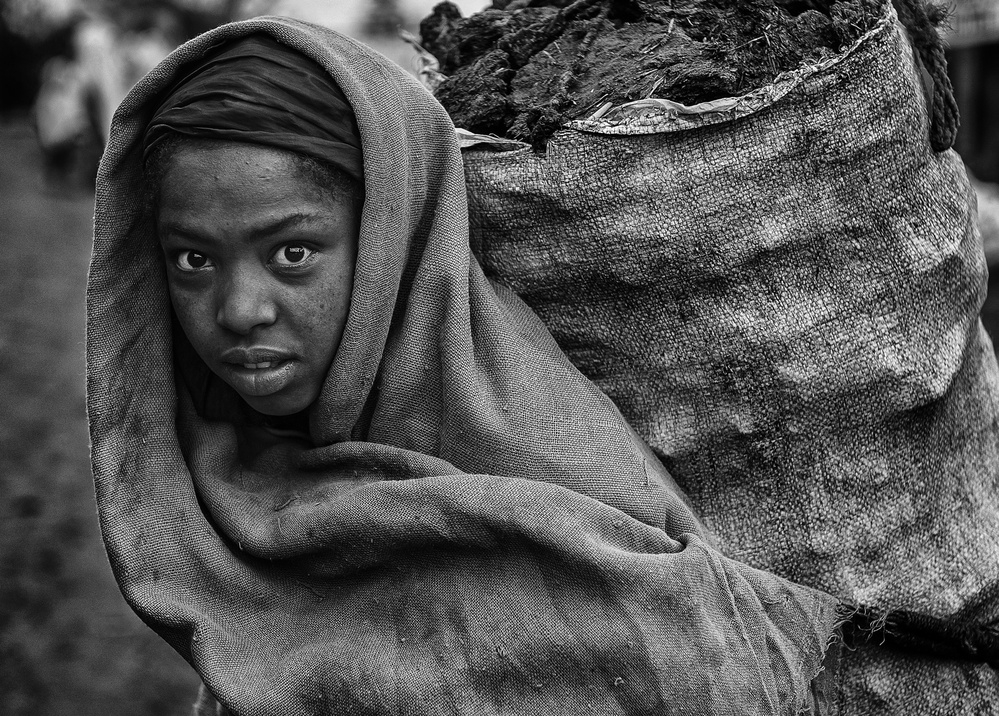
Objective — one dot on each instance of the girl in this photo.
(339, 470)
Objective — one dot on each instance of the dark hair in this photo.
(333, 182)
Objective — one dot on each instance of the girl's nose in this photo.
(245, 304)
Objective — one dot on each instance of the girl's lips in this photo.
(254, 355)
(258, 366)
(261, 378)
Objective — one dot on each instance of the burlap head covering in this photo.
(259, 91)
(476, 529)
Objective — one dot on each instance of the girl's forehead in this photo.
(242, 193)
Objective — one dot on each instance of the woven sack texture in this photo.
(782, 298)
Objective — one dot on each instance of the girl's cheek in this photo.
(193, 309)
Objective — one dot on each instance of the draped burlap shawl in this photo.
(476, 529)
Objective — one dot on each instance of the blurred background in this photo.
(68, 642)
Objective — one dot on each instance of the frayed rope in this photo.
(922, 18)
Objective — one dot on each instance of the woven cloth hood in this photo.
(476, 530)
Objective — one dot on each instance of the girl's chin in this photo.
(277, 405)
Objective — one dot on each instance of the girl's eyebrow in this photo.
(289, 221)
(265, 230)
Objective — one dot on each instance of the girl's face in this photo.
(260, 266)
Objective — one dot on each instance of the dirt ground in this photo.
(68, 642)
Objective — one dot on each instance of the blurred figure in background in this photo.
(77, 96)
(60, 117)
(79, 92)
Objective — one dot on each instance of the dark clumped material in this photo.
(521, 68)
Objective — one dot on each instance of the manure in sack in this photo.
(781, 292)
(521, 68)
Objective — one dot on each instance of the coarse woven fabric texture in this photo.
(475, 530)
(783, 301)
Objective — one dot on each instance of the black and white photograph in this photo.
(499, 357)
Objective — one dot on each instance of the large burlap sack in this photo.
(782, 296)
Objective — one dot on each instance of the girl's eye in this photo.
(292, 255)
(192, 261)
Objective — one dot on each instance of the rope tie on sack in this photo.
(921, 19)
(921, 633)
